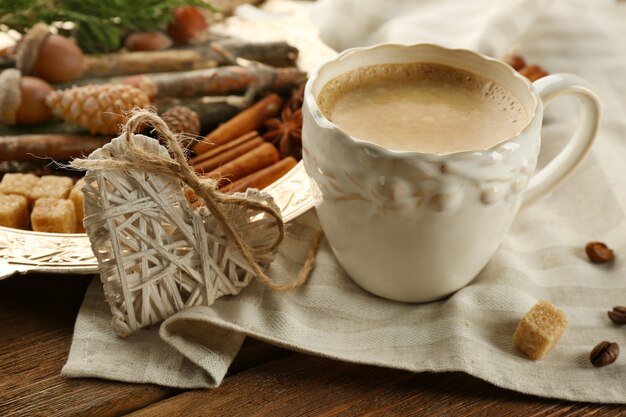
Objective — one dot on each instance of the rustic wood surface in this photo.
(37, 314)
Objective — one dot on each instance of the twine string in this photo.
(206, 189)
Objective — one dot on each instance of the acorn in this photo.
(533, 72)
(23, 98)
(189, 24)
(148, 41)
(60, 60)
(516, 61)
(52, 57)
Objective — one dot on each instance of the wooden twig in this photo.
(7, 62)
(211, 110)
(225, 80)
(55, 146)
(276, 54)
(220, 81)
(199, 56)
(43, 128)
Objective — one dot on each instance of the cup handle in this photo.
(570, 156)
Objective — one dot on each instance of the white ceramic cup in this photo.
(416, 227)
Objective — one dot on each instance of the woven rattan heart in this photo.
(156, 254)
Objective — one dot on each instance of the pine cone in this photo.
(183, 120)
(99, 108)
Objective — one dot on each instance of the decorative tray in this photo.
(23, 251)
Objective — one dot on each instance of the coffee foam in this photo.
(428, 72)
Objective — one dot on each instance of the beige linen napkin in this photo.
(143, 358)
(541, 257)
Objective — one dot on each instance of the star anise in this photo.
(286, 132)
(296, 99)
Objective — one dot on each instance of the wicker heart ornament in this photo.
(156, 254)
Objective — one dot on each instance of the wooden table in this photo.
(37, 314)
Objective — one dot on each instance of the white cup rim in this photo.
(324, 122)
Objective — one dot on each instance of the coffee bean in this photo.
(618, 315)
(605, 353)
(599, 253)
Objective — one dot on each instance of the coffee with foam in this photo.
(422, 107)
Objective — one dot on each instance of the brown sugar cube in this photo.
(76, 195)
(13, 211)
(53, 215)
(20, 184)
(52, 186)
(539, 330)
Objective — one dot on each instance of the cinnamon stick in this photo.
(246, 164)
(223, 148)
(261, 178)
(249, 119)
(224, 157)
(194, 57)
(55, 146)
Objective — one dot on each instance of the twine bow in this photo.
(206, 189)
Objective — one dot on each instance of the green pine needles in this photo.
(98, 25)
